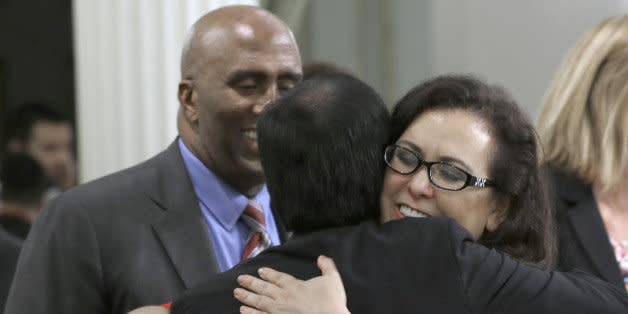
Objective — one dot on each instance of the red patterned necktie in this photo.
(253, 216)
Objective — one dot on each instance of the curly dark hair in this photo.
(527, 233)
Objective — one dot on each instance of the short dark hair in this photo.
(321, 147)
(314, 69)
(19, 122)
(527, 233)
(23, 179)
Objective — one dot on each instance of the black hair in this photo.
(19, 122)
(527, 233)
(321, 147)
(313, 69)
(23, 179)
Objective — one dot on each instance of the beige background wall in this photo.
(127, 55)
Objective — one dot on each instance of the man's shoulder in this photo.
(403, 236)
(128, 180)
(359, 253)
(428, 231)
(119, 190)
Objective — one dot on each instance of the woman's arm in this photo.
(279, 292)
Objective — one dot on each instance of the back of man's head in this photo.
(321, 148)
(19, 122)
(24, 181)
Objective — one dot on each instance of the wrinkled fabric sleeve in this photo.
(495, 283)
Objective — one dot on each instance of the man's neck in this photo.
(246, 187)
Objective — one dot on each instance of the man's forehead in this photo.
(50, 129)
(51, 123)
(241, 47)
(245, 35)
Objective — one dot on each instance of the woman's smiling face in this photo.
(459, 138)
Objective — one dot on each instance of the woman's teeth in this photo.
(409, 212)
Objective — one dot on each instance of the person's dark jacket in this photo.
(582, 239)
(9, 252)
(428, 265)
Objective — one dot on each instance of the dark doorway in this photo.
(36, 54)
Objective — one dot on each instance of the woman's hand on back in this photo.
(279, 292)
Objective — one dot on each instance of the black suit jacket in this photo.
(133, 238)
(9, 251)
(429, 265)
(583, 241)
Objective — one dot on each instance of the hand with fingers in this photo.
(279, 292)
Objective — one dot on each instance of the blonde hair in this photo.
(582, 124)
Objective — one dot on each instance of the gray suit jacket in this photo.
(129, 239)
(9, 251)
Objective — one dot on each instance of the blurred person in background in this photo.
(25, 190)
(144, 234)
(583, 126)
(46, 135)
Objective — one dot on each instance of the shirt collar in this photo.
(220, 199)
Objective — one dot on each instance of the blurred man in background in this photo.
(46, 135)
(25, 190)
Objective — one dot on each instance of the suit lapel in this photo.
(589, 227)
(187, 243)
(182, 229)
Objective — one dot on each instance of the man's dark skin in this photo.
(252, 60)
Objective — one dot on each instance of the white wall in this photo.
(347, 33)
(127, 56)
(127, 71)
(517, 44)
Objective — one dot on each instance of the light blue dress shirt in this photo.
(222, 207)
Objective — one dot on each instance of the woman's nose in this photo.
(420, 185)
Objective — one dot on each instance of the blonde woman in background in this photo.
(583, 126)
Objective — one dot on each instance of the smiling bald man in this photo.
(144, 234)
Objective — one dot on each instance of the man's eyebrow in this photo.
(244, 74)
(258, 74)
(297, 77)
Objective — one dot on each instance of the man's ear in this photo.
(498, 215)
(187, 99)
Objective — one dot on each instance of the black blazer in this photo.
(9, 251)
(429, 265)
(582, 239)
(133, 238)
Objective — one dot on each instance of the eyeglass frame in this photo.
(470, 181)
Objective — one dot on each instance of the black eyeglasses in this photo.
(443, 175)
